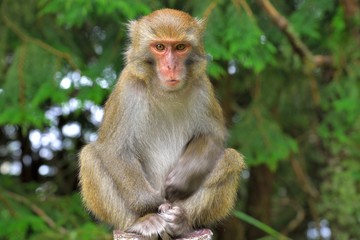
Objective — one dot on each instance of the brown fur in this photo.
(159, 149)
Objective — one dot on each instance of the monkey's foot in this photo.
(151, 227)
(201, 234)
(120, 235)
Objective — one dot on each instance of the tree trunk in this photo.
(29, 171)
(258, 203)
(230, 229)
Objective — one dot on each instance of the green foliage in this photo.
(31, 83)
(339, 130)
(306, 19)
(28, 84)
(76, 13)
(24, 71)
(256, 130)
(25, 215)
(271, 232)
(270, 97)
(237, 37)
(341, 199)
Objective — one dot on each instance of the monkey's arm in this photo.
(197, 161)
(127, 175)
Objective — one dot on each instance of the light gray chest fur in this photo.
(166, 136)
(159, 130)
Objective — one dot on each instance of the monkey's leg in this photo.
(217, 197)
(213, 201)
(100, 193)
(102, 196)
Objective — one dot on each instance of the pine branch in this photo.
(37, 210)
(26, 38)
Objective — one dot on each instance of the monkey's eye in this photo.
(180, 47)
(160, 47)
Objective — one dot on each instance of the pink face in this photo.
(170, 62)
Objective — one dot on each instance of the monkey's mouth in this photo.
(172, 82)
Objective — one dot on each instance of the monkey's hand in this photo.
(182, 182)
(198, 160)
(176, 220)
(152, 226)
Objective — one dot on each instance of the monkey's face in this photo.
(171, 58)
(167, 49)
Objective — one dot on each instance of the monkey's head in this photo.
(167, 45)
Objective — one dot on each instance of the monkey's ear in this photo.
(201, 23)
(131, 27)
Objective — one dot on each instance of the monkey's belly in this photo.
(160, 162)
(163, 139)
(163, 149)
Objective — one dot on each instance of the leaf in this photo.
(262, 226)
(12, 115)
(215, 70)
(95, 94)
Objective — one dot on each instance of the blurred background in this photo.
(286, 73)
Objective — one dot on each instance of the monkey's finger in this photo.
(175, 212)
(173, 219)
(164, 207)
(168, 217)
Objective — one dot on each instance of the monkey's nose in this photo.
(171, 67)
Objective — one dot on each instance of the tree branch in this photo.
(245, 6)
(201, 234)
(297, 220)
(6, 203)
(26, 38)
(299, 46)
(38, 211)
(209, 9)
(351, 7)
(303, 179)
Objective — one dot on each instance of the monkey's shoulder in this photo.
(130, 82)
(128, 92)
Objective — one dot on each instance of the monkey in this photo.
(159, 167)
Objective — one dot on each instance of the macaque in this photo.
(159, 167)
